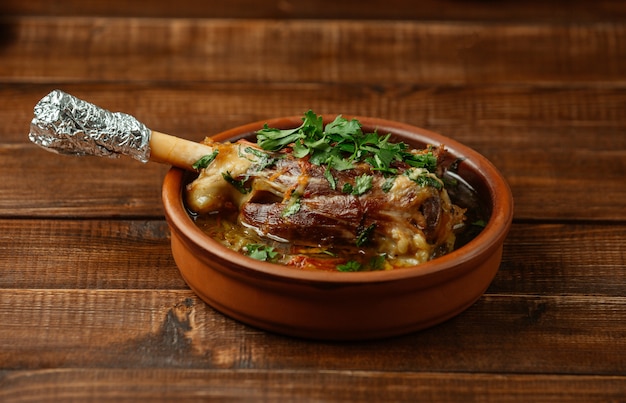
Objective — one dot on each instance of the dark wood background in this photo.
(92, 305)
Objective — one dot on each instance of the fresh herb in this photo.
(350, 266)
(293, 206)
(205, 161)
(261, 252)
(364, 236)
(275, 139)
(264, 160)
(362, 184)
(388, 184)
(330, 178)
(240, 185)
(424, 178)
(378, 262)
(427, 161)
(341, 144)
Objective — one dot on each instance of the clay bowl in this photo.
(335, 305)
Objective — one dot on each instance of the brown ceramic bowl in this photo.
(336, 305)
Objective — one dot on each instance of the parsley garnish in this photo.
(364, 236)
(362, 184)
(264, 160)
(205, 161)
(388, 184)
(424, 178)
(349, 266)
(238, 184)
(378, 262)
(341, 144)
(293, 206)
(261, 252)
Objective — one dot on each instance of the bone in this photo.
(67, 125)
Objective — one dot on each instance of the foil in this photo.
(67, 125)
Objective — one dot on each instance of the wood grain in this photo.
(198, 385)
(62, 50)
(87, 254)
(542, 10)
(172, 328)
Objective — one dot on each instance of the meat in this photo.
(407, 217)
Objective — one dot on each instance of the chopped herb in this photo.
(388, 184)
(362, 184)
(341, 143)
(424, 178)
(378, 262)
(364, 236)
(427, 161)
(261, 252)
(238, 184)
(205, 161)
(350, 266)
(264, 160)
(293, 206)
(330, 178)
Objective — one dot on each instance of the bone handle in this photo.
(175, 151)
(67, 125)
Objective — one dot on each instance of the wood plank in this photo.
(563, 259)
(119, 254)
(162, 385)
(348, 52)
(41, 184)
(577, 335)
(106, 254)
(487, 118)
(350, 9)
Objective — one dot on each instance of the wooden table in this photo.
(92, 305)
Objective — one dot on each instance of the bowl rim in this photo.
(493, 234)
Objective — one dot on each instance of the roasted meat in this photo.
(407, 217)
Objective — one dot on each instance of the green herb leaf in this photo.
(364, 236)
(424, 178)
(293, 206)
(349, 266)
(238, 184)
(261, 252)
(362, 184)
(205, 161)
(388, 184)
(275, 139)
(427, 161)
(378, 262)
(341, 144)
(330, 178)
(263, 159)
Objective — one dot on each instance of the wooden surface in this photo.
(92, 306)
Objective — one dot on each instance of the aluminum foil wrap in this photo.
(67, 125)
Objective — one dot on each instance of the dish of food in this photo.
(329, 197)
(335, 305)
(362, 199)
